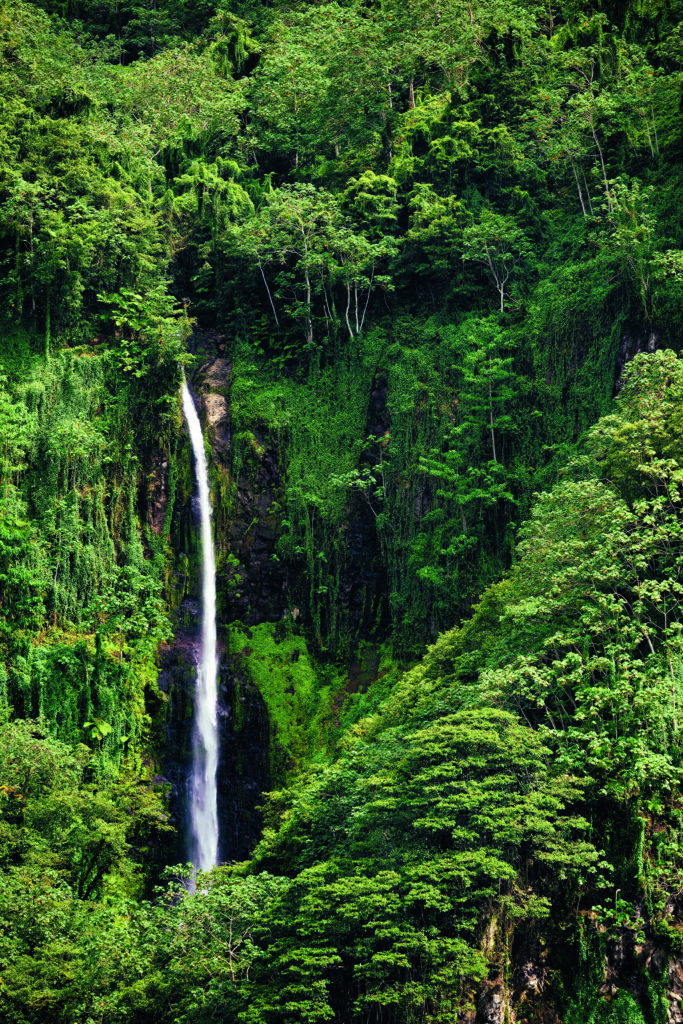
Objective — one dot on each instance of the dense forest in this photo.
(421, 264)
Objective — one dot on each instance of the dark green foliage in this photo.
(401, 851)
(429, 238)
(491, 206)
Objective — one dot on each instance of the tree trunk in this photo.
(588, 193)
(578, 186)
(272, 304)
(604, 169)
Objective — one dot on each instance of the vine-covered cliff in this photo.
(421, 266)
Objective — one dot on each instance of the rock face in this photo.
(214, 405)
(243, 765)
(640, 338)
(157, 494)
(247, 488)
(245, 536)
(250, 586)
(542, 963)
(675, 991)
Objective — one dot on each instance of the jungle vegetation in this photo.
(470, 208)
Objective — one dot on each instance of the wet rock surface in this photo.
(675, 991)
(243, 763)
(637, 339)
(157, 494)
(532, 976)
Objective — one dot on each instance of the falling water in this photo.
(205, 734)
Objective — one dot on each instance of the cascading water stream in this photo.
(204, 809)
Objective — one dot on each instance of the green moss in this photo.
(297, 691)
(311, 705)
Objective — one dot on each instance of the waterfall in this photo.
(205, 733)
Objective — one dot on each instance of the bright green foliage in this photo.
(277, 662)
(592, 608)
(81, 612)
(401, 849)
(497, 244)
(430, 237)
(55, 821)
(121, 959)
(313, 180)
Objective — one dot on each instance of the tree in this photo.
(410, 838)
(628, 232)
(593, 606)
(288, 89)
(499, 245)
(473, 501)
(300, 233)
(152, 328)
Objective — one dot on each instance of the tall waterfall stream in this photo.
(204, 809)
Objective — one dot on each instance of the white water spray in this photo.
(205, 734)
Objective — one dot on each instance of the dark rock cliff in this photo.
(243, 766)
